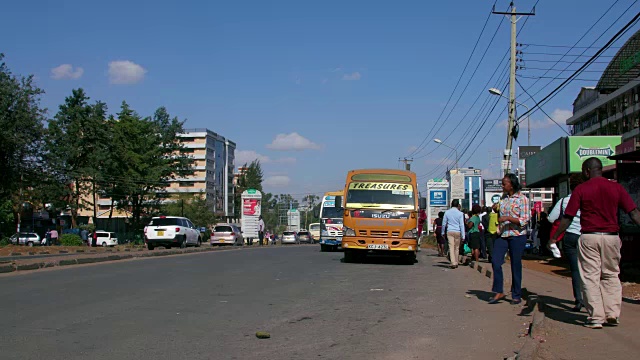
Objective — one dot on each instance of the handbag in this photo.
(556, 224)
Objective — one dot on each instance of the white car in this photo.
(105, 238)
(290, 237)
(169, 231)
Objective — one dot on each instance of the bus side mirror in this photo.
(338, 201)
(422, 203)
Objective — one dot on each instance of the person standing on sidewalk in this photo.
(260, 230)
(514, 217)
(453, 222)
(474, 232)
(598, 200)
(437, 229)
(570, 244)
(492, 229)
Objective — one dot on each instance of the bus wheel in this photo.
(350, 256)
(323, 248)
(410, 258)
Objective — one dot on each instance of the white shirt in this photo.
(574, 227)
(261, 225)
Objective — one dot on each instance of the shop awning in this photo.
(630, 156)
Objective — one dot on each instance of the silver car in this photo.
(290, 237)
(26, 238)
(226, 234)
(305, 237)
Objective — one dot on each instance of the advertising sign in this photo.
(457, 186)
(437, 197)
(251, 210)
(492, 197)
(293, 220)
(525, 152)
(580, 148)
(494, 185)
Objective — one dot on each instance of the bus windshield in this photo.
(380, 195)
(331, 213)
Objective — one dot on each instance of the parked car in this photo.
(290, 237)
(169, 231)
(26, 238)
(226, 234)
(105, 238)
(305, 237)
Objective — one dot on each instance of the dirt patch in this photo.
(11, 250)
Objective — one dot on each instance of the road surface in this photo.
(210, 305)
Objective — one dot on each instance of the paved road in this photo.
(209, 306)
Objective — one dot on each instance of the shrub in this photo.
(70, 240)
(5, 242)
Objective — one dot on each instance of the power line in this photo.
(424, 142)
(553, 77)
(562, 61)
(566, 46)
(550, 118)
(577, 72)
(563, 55)
(566, 70)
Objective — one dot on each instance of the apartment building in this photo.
(214, 160)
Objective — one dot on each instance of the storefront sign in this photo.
(580, 148)
(626, 147)
(547, 163)
(494, 185)
(525, 152)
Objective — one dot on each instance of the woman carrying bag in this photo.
(570, 244)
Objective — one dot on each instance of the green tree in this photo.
(192, 206)
(147, 154)
(76, 148)
(21, 131)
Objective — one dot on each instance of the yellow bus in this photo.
(380, 214)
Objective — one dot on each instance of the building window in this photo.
(187, 184)
(187, 151)
(188, 139)
(104, 207)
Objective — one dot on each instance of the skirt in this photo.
(474, 240)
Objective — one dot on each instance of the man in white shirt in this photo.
(261, 229)
(570, 245)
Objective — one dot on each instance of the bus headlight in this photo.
(347, 231)
(410, 234)
(324, 233)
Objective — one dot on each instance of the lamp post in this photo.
(438, 141)
(497, 92)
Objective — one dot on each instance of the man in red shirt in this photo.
(598, 200)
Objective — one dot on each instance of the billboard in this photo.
(580, 148)
(293, 220)
(438, 197)
(525, 152)
(457, 186)
(251, 210)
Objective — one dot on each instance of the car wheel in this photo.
(104, 244)
(30, 244)
(183, 244)
(199, 243)
(149, 246)
(167, 247)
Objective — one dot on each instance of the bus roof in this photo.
(409, 174)
(334, 193)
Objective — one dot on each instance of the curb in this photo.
(529, 350)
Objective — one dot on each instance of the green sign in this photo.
(580, 148)
(251, 191)
(629, 62)
(547, 163)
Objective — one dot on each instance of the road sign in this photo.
(437, 197)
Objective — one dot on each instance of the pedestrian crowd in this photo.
(585, 221)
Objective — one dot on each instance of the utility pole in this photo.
(407, 163)
(513, 18)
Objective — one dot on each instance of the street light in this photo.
(494, 91)
(438, 141)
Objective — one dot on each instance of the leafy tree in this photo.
(21, 130)
(76, 147)
(146, 152)
(192, 206)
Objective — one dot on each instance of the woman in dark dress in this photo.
(437, 225)
(544, 233)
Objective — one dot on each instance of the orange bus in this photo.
(380, 213)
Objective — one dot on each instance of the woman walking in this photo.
(474, 232)
(437, 229)
(514, 216)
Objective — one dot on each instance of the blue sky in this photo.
(313, 89)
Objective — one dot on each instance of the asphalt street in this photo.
(210, 305)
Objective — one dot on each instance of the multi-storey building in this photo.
(213, 168)
(612, 107)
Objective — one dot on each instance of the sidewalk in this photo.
(566, 338)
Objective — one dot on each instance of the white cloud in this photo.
(277, 181)
(66, 71)
(293, 141)
(561, 115)
(286, 160)
(353, 76)
(247, 156)
(125, 72)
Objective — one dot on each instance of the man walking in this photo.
(260, 230)
(453, 222)
(598, 200)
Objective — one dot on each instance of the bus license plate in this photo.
(160, 233)
(378, 246)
